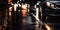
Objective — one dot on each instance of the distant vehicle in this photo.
(52, 13)
(52, 7)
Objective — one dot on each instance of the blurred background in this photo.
(29, 14)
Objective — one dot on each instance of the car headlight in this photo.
(49, 4)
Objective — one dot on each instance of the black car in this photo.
(52, 13)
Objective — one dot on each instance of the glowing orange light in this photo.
(6, 14)
(23, 12)
(24, 8)
(9, 1)
(10, 14)
(48, 27)
(47, 17)
(10, 9)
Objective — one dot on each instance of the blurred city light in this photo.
(27, 14)
(48, 4)
(48, 28)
